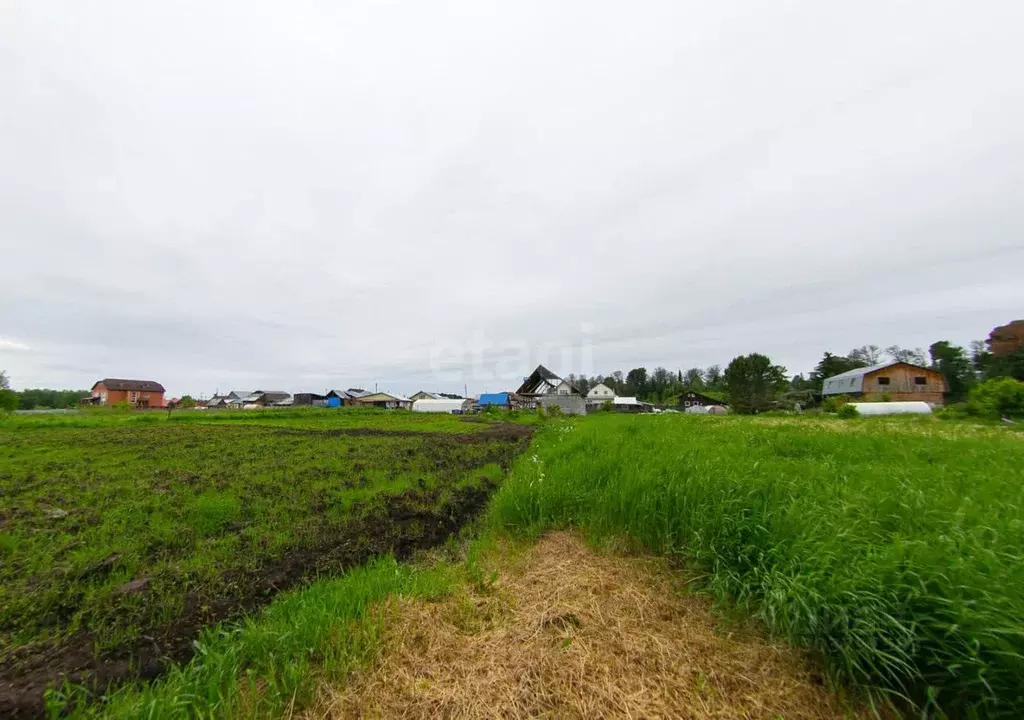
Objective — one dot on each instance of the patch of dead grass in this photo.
(571, 633)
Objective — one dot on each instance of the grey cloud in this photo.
(324, 194)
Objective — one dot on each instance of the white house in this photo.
(600, 394)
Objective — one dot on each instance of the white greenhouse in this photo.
(444, 405)
(893, 408)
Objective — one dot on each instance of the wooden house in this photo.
(889, 381)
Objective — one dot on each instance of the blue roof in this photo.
(493, 399)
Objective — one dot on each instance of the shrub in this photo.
(999, 396)
(847, 411)
(832, 403)
(8, 400)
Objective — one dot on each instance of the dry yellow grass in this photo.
(570, 633)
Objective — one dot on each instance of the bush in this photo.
(847, 411)
(832, 403)
(8, 400)
(1000, 396)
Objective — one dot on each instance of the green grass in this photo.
(305, 418)
(202, 513)
(892, 549)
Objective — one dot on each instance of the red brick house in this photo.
(138, 393)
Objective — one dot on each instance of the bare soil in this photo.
(408, 522)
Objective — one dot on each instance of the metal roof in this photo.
(540, 382)
(493, 399)
(383, 397)
(119, 384)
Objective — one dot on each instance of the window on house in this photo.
(132, 397)
(883, 381)
(920, 380)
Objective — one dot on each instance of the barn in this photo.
(898, 381)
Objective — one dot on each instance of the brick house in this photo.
(138, 393)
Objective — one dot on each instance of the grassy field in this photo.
(122, 536)
(892, 549)
(305, 418)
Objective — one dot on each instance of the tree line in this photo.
(753, 383)
(749, 383)
(37, 398)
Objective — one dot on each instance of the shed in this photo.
(630, 404)
(310, 400)
(568, 404)
(889, 381)
(431, 405)
(502, 399)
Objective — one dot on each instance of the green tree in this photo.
(713, 378)
(913, 356)
(952, 361)
(867, 354)
(660, 385)
(636, 382)
(693, 379)
(32, 398)
(753, 383)
(830, 366)
(8, 398)
(999, 396)
(187, 401)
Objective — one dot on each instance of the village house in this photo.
(545, 389)
(383, 400)
(309, 400)
(691, 398)
(266, 398)
(896, 381)
(137, 393)
(424, 395)
(599, 395)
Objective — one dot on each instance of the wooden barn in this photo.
(897, 381)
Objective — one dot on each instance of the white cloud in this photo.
(7, 344)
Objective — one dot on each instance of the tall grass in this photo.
(894, 550)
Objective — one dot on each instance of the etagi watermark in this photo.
(486, 362)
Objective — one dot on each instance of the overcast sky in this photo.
(327, 193)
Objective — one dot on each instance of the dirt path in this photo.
(570, 633)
